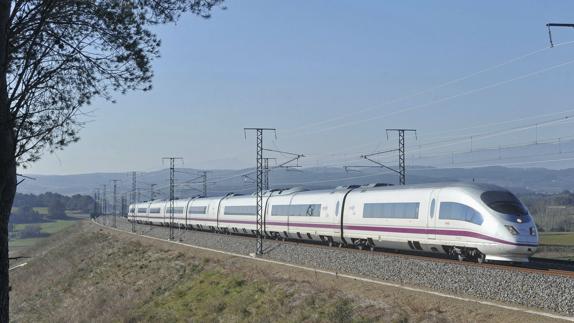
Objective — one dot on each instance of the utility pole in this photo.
(115, 206)
(266, 174)
(134, 187)
(171, 194)
(99, 202)
(204, 182)
(133, 199)
(95, 204)
(402, 167)
(104, 206)
(259, 181)
(151, 192)
(123, 200)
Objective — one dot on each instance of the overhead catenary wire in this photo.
(429, 90)
(443, 99)
(346, 153)
(458, 140)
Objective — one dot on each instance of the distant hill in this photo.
(520, 180)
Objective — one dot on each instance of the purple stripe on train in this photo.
(444, 232)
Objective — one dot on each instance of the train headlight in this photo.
(512, 230)
(532, 231)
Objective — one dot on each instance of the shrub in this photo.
(32, 231)
(343, 311)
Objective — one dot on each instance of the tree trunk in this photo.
(7, 164)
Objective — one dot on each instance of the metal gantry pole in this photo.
(259, 203)
(151, 192)
(104, 205)
(266, 174)
(133, 200)
(99, 211)
(402, 164)
(204, 180)
(402, 170)
(95, 203)
(172, 195)
(115, 205)
(123, 199)
(259, 182)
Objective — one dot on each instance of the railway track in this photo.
(544, 266)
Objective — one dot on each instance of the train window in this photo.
(142, 210)
(337, 209)
(155, 210)
(176, 210)
(197, 210)
(506, 203)
(459, 212)
(296, 210)
(408, 210)
(432, 208)
(133, 210)
(240, 210)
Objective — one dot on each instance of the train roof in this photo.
(474, 187)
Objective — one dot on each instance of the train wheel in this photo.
(481, 258)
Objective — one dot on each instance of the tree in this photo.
(25, 214)
(55, 57)
(56, 210)
(32, 231)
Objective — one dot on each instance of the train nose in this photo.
(528, 237)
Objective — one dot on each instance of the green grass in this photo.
(557, 238)
(48, 227)
(214, 296)
(41, 210)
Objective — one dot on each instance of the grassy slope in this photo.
(87, 274)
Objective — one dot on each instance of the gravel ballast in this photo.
(549, 292)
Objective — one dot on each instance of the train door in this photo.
(432, 214)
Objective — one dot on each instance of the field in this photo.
(40, 210)
(557, 238)
(47, 227)
(556, 245)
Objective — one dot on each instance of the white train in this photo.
(471, 221)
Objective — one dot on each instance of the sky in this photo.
(332, 75)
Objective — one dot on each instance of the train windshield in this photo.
(507, 204)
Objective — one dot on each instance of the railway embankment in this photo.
(535, 290)
(90, 273)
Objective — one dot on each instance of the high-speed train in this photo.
(470, 221)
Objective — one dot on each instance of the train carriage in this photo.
(237, 214)
(383, 217)
(308, 215)
(202, 213)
